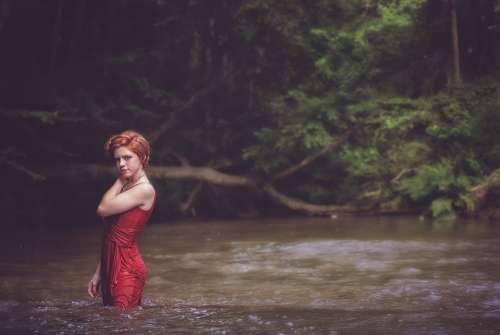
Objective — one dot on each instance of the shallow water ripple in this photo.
(288, 277)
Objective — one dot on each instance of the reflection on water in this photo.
(355, 276)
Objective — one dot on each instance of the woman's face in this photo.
(127, 162)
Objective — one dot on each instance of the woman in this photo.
(125, 209)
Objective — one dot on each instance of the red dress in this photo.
(123, 273)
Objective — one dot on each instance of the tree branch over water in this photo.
(480, 192)
(310, 159)
(188, 203)
(305, 207)
(209, 175)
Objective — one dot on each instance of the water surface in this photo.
(290, 276)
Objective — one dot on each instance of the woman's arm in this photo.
(113, 202)
(95, 282)
(113, 191)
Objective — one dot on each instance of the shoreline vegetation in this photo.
(255, 107)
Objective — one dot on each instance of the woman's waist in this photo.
(121, 238)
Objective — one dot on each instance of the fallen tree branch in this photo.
(212, 176)
(16, 166)
(310, 159)
(205, 174)
(401, 174)
(186, 205)
(480, 192)
(305, 207)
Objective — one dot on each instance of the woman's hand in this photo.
(94, 285)
(118, 203)
(121, 181)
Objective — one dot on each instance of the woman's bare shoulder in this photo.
(147, 190)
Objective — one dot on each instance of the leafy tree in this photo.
(333, 102)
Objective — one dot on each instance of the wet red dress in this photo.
(123, 273)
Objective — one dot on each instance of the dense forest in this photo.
(253, 107)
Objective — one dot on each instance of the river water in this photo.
(273, 276)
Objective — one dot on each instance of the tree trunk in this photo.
(77, 22)
(456, 77)
(111, 7)
(5, 10)
(370, 8)
(56, 35)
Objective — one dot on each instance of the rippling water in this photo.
(301, 276)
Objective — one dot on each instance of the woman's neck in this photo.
(133, 181)
(135, 178)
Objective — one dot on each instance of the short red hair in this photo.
(134, 141)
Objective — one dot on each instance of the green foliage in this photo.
(267, 83)
(440, 180)
(452, 119)
(429, 179)
(408, 154)
(418, 150)
(482, 99)
(363, 162)
(388, 34)
(442, 208)
(265, 158)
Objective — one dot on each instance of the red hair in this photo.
(134, 141)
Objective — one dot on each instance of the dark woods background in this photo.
(318, 107)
